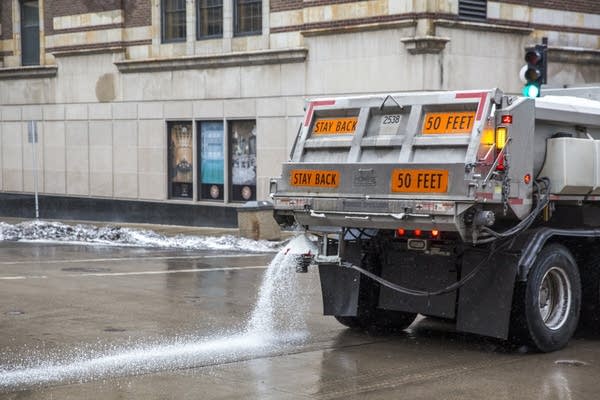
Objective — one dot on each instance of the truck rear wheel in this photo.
(546, 307)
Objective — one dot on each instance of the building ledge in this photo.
(573, 55)
(262, 57)
(425, 44)
(483, 26)
(30, 72)
(359, 28)
(89, 51)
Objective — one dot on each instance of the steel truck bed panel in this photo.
(425, 181)
(472, 148)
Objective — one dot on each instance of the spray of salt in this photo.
(277, 320)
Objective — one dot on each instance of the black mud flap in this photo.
(485, 302)
(423, 272)
(340, 287)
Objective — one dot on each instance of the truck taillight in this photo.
(501, 166)
(501, 137)
(507, 119)
(418, 233)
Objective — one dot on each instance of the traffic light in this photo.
(533, 74)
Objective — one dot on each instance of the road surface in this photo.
(101, 322)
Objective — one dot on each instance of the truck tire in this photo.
(371, 318)
(546, 307)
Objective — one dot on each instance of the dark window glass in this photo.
(242, 157)
(173, 20)
(210, 18)
(212, 159)
(179, 136)
(30, 33)
(472, 10)
(248, 17)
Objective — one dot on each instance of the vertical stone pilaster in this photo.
(156, 27)
(227, 24)
(42, 13)
(265, 16)
(190, 26)
(16, 19)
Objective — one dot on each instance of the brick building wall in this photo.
(285, 5)
(6, 19)
(586, 6)
(61, 8)
(137, 13)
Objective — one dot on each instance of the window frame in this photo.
(38, 57)
(199, 8)
(163, 14)
(236, 31)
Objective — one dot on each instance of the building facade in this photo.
(180, 110)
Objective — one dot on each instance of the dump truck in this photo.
(476, 206)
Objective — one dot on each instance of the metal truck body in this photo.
(473, 206)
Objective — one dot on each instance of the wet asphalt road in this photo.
(58, 300)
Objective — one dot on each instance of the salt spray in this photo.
(276, 322)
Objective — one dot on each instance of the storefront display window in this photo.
(211, 159)
(242, 155)
(180, 159)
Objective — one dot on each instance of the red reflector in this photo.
(435, 233)
(417, 232)
(507, 119)
(527, 179)
(400, 232)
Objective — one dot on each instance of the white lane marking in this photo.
(100, 274)
(174, 271)
(36, 261)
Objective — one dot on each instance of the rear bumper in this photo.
(373, 213)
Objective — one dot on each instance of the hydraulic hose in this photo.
(423, 293)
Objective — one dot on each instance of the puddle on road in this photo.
(276, 323)
(56, 232)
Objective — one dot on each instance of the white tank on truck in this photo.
(474, 206)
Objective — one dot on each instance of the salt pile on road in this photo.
(115, 235)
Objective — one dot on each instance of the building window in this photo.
(242, 157)
(30, 33)
(210, 18)
(173, 20)
(472, 10)
(179, 136)
(211, 157)
(247, 17)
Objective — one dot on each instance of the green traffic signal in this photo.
(534, 73)
(531, 90)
